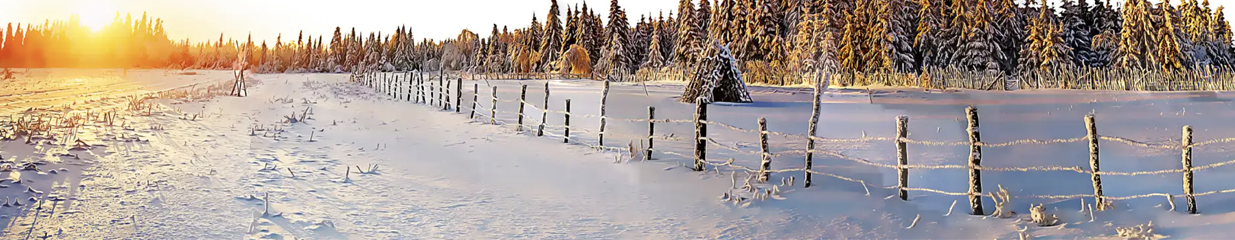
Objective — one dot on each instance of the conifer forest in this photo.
(977, 44)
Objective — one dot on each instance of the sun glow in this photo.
(95, 14)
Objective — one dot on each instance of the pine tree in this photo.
(1076, 32)
(1221, 39)
(1011, 21)
(1172, 51)
(338, 52)
(1136, 36)
(571, 30)
(655, 60)
(703, 16)
(1106, 34)
(930, 32)
(1045, 47)
(551, 45)
(687, 40)
(978, 48)
(668, 37)
(596, 35)
(900, 33)
(614, 60)
(850, 49)
(762, 30)
(619, 30)
(639, 41)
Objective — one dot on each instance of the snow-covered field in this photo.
(364, 165)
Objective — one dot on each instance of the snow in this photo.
(440, 175)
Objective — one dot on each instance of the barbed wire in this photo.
(730, 163)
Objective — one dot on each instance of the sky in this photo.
(265, 19)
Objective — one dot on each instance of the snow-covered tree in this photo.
(978, 48)
(1173, 50)
(551, 44)
(1045, 47)
(931, 28)
(1076, 31)
(1137, 36)
(655, 60)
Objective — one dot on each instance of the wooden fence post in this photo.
(766, 165)
(604, 97)
(493, 108)
(419, 87)
(1091, 130)
(701, 133)
(458, 93)
(445, 95)
(566, 133)
(475, 91)
(544, 113)
(820, 84)
(902, 157)
(1187, 159)
(522, 101)
(651, 131)
(975, 161)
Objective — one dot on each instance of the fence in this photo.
(440, 93)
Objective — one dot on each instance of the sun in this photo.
(95, 14)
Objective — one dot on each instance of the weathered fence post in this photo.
(493, 107)
(902, 157)
(458, 93)
(419, 87)
(820, 84)
(475, 91)
(1187, 159)
(445, 95)
(566, 132)
(544, 113)
(522, 101)
(766, 165)
(1091, 132)
(604, 97)
(701, 133)
(975, 161)
(651, 131)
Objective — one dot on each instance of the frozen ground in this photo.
(200, 167)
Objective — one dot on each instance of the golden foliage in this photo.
(576, 61)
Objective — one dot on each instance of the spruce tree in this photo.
(639, 41)
(687, 41)
(667, 36)
(551, 44)
(1011, 22)
(570, 31)
(655, 60)
(1045, 47)
(930, 38)
(1221, 39)
(1076, 32)
(978, 48)
(762, 30)
(850, 49)
(901, 30)
(1172, 51)
(1136, 36)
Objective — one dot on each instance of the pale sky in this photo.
(205, 20)
(265, 19)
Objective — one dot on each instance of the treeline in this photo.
(773, 41)
(773, 37)
(125, 43)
